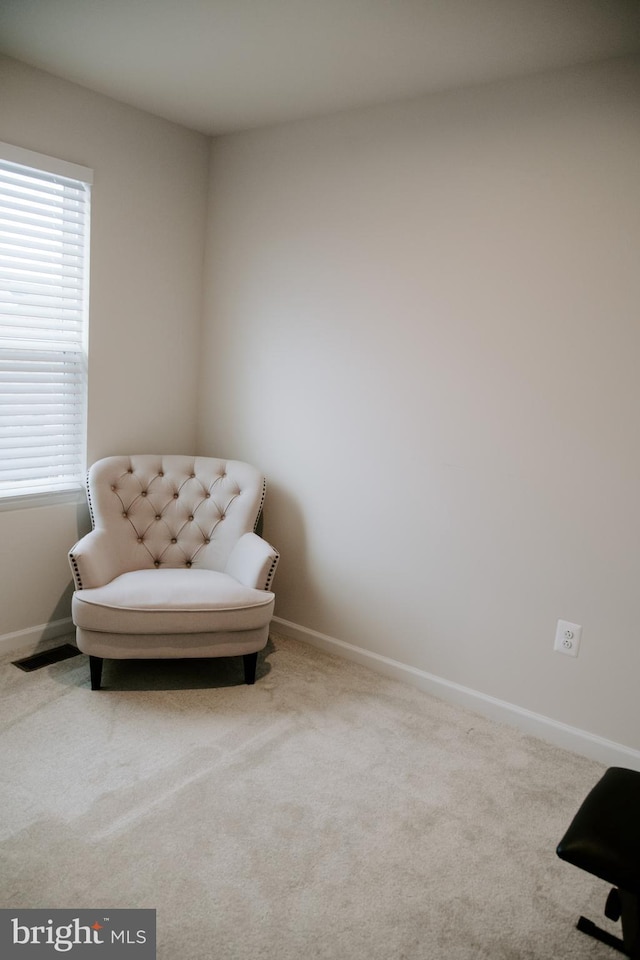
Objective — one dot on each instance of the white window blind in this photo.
(44, 268)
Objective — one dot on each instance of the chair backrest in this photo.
(174, 511)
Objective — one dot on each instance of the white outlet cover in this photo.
(567, 638)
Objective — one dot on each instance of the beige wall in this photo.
(422, 322)
(149, 207)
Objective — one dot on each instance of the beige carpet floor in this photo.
(326, 813)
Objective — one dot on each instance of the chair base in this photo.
(623, 906)
(249, 660)
(592, 930)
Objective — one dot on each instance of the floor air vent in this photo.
(38, 660)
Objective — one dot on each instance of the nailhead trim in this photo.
(272, 570)
(264, 493)
(89, 503)
(76, 571)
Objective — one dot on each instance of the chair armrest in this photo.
(253, 562)
(92, 560)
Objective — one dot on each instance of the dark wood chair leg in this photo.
(250, 661)
(95, 669)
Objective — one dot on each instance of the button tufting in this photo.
(161, 474)
(144, 493)
(207, 495)
(139, 539)
(191, 516)
(125, 514)
(173, 540)
(188, 563)
(156, 563)
(157, 516)
(130, 470)
(207, 540)
(192, 475)
(175, 496)
(113, 486)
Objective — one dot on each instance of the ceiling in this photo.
(226, 65)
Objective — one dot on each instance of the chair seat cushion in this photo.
(604, 836)
(172, 601)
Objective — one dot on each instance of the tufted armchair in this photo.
(173, 567)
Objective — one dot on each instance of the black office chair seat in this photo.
(604, 840)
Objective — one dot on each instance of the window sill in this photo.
(26, 501)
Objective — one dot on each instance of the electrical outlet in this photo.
(567, 638)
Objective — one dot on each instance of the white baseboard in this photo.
(553, 731)
(34, 639)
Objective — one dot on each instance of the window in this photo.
(44, 272)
